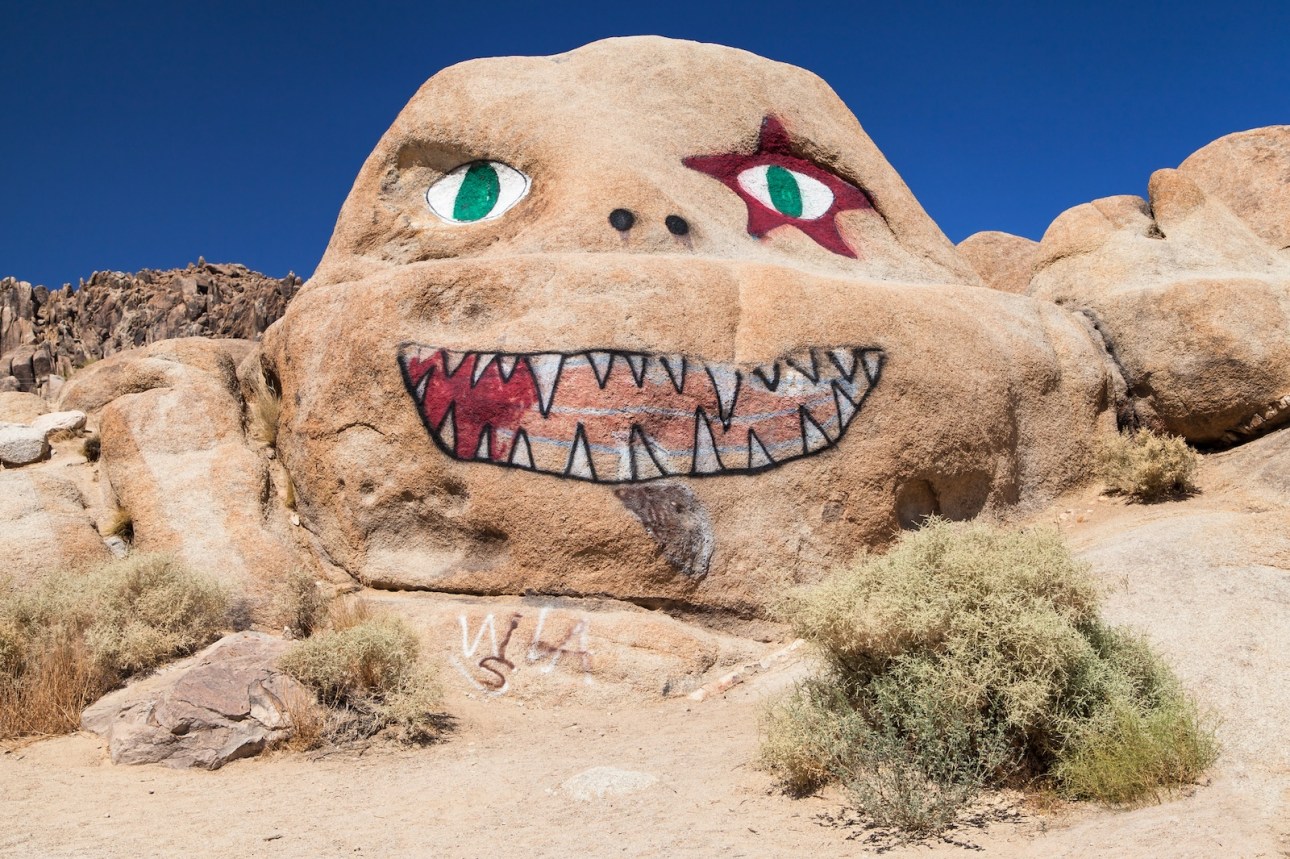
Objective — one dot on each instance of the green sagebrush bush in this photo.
(367, 671)
(1147, 466)
(969, 657)
(70, 638)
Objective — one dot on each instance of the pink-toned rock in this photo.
(176, 457)
(226, 703)
(1249, 172)
(20, 407)
(1005, 262)
(45, 525)
(1194, 306)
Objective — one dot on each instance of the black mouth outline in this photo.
(868, 363)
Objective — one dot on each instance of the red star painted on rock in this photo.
(775, 149)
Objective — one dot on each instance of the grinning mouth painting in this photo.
(628, 417)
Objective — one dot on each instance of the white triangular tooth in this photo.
(579, 464)
(625, 460)
(545, 370)
(845, 361)
(645, 466)
(485, 443)
(506, 366)
(675, 367)
(872, 364)
(421, 386)
(846, 408)
(447, 432)
(758, 456)
(806, 364)
(706, 460)
(726, 384)
(482, 360)
(601, 364)
(637, 363)
(855, 390)
(521, 454)
(452, 361)
(813, 438)
(768, 376)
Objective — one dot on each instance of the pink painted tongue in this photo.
(490, 402)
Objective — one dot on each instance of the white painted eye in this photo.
(478, 191)
(788, 192)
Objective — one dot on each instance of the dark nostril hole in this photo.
(621, 220)
(676, 225)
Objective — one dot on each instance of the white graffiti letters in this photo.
(491, 668)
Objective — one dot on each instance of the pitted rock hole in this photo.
(915, 501)
(673, 515)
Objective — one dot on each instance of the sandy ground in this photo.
(1208, 579)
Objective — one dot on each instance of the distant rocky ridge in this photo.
(46, 334)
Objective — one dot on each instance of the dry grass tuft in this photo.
(119, 523)
(1148, 466)
(71, 638)
(368, 673)
(265, 410)
(970, 657)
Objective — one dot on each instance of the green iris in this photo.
(479, 191)
(784, 191)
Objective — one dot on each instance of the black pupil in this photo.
(621, 219)
(676, 225)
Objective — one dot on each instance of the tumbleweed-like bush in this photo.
(367, 672)
(1147, 466)
(72, 637)
(969, 657)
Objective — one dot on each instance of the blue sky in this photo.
(144, 134)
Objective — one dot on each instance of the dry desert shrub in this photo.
(92, 447)
(969, 657)
(367, 672)
(71, 638)
(301, 604)
(1148, 466)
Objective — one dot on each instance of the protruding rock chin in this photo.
(621, 417)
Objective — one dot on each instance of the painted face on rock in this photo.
(654, 319)
(610, 416)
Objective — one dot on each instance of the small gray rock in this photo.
(21, 445)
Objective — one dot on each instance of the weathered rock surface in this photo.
(176, 457)
(1249, 172)
(21, 445)
(44, 332)
(547, 648)
(20, 407)
(223, 704)
(1005, 262)
(45, 525)
(845, 373)
(1194, 306)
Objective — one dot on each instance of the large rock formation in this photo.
(1193, 300)
(230, 701)
(684, 339)
(673, 344)
(180, 460)
(52, 332)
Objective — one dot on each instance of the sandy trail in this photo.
(1208, 579)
